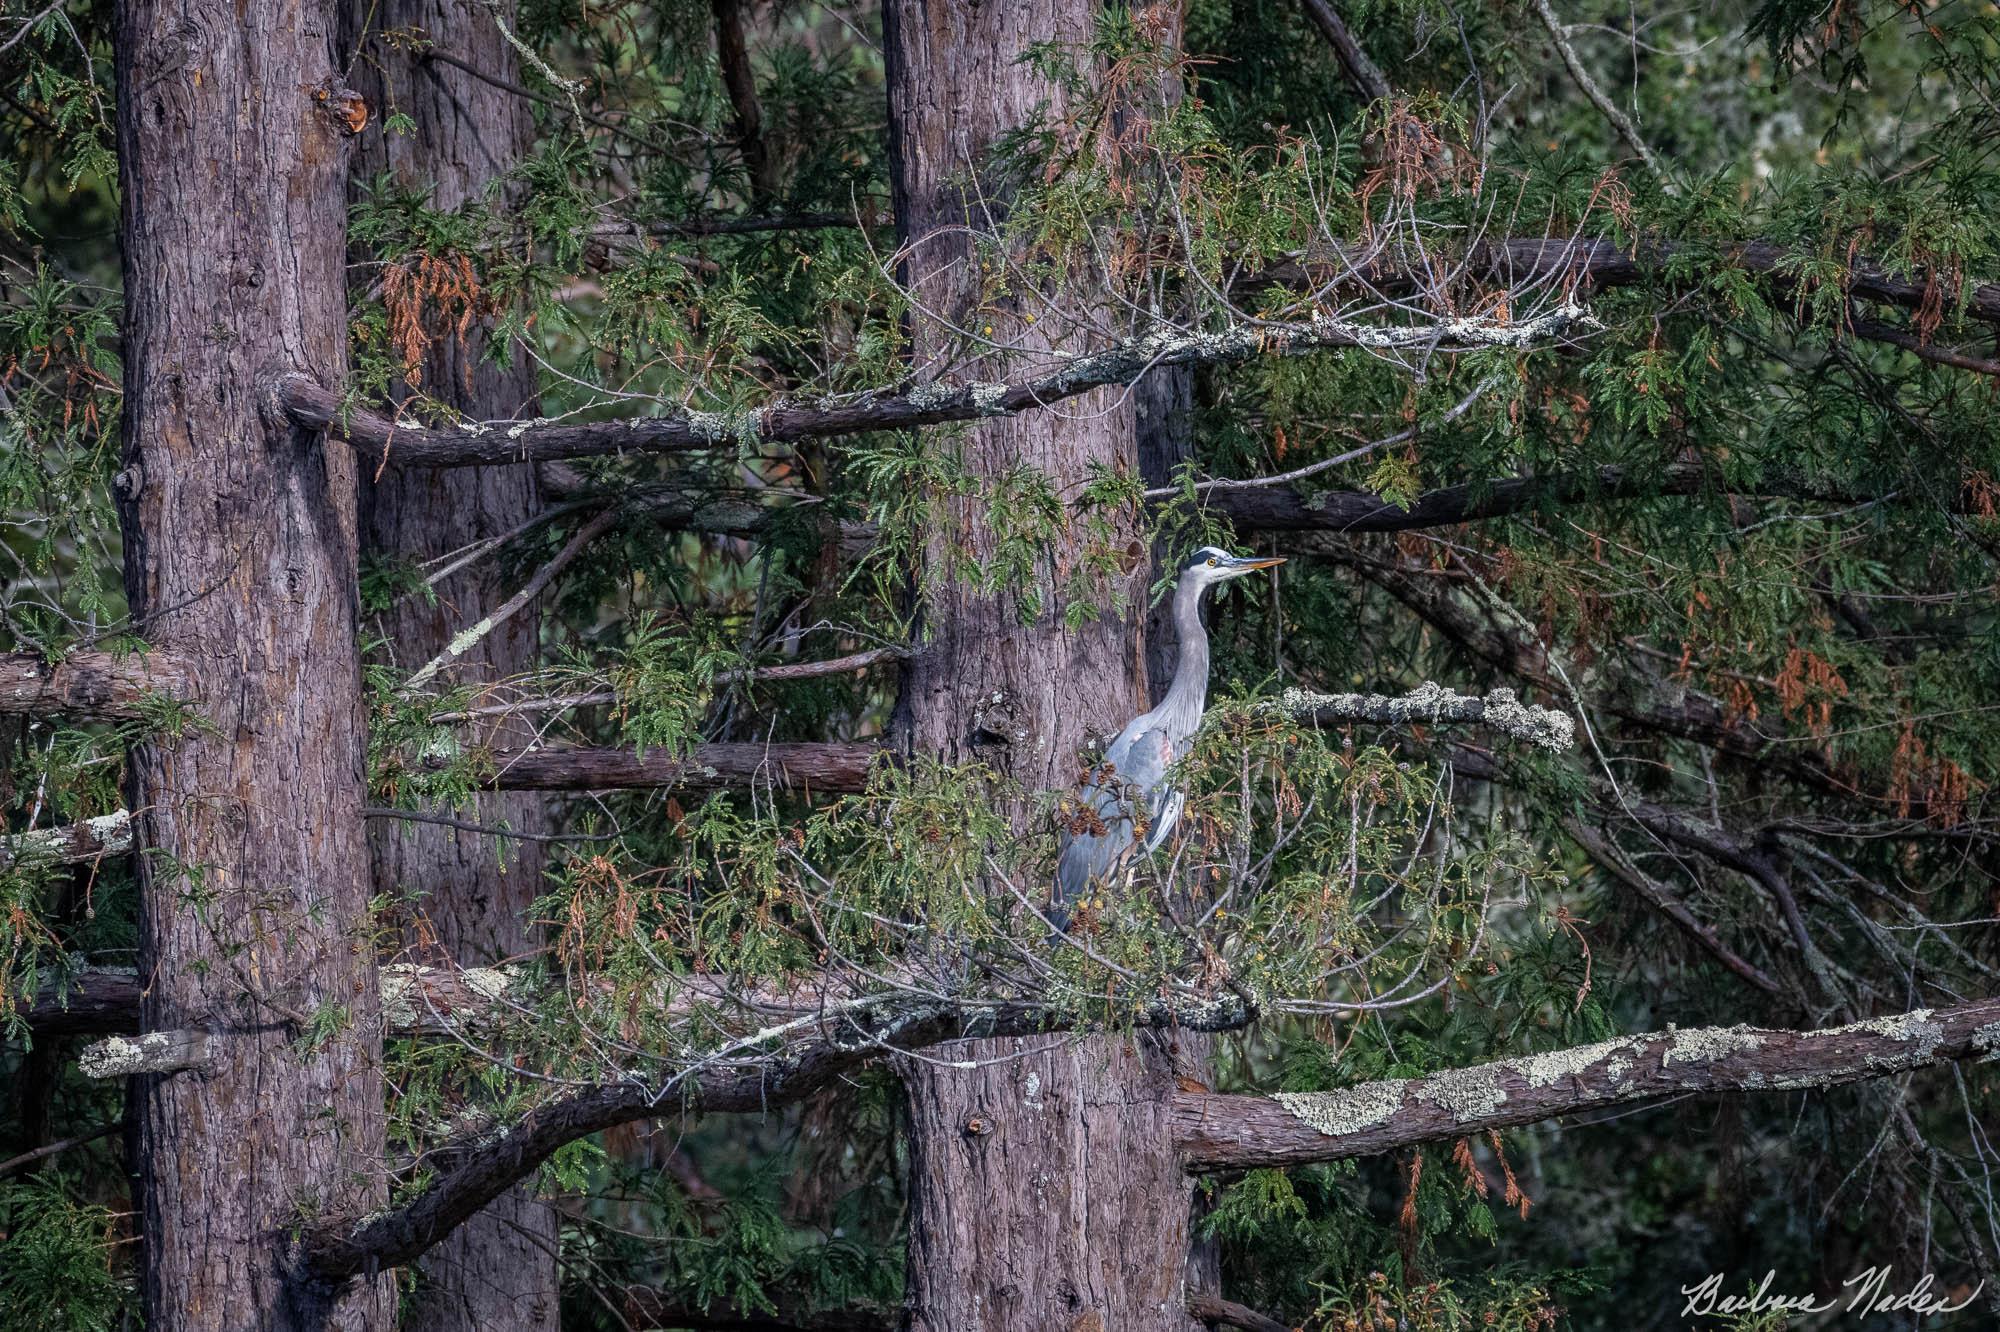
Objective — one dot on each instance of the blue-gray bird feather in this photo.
(1126, 806)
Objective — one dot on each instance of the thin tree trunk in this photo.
(499, 1269)
(1044, 1188)
(240, 559)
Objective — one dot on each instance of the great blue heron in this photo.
(1127, 807)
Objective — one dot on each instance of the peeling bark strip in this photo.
(95, 686)
(1246, 1132)
(240, 560)
(476, 442)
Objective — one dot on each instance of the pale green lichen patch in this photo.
(1348, 1110)
(1987, 1041)
(1544, 1070)
(1703, 1044)
(1915, 1028)
(1468, 1093)
(408, 1001)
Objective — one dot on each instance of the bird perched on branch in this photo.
(1127, 806)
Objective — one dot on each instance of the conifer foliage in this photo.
(566, 564)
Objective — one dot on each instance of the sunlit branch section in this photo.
(1247, 1132)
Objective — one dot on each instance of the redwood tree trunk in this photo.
(240, 558)
(499, 1269)
(1044, 1189)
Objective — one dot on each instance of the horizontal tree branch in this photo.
(905, 408)
(94, 1001)
(1499, 710)
(729, 226)
(1218, 1312)
(95, 686)
(106, 835)
(791, 670)
(1595, 262)
(1283, 509)
(1247, 1132)
(798, 767)
(647, 1307)
(481, 1169)
(416, 1000)
(152, 1052)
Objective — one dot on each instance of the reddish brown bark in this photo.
(240, 561)
(499, 1268)
(1044, 1191)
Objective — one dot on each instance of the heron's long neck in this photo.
(1188, 694)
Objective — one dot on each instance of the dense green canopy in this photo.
(1634, 357)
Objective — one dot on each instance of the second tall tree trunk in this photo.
(1044, 1189)
(498, 1270)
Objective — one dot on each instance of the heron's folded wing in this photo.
(1102, 833)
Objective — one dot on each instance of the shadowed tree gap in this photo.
(473, 893)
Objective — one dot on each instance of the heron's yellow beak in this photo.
(1260, 564)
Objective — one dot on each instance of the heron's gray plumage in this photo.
(1127, 807)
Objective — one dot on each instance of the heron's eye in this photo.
(1211, 559)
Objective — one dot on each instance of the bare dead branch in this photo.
(906, 408)
(1499, 710)
(470, 638)
(1218, 1312)
(480, 1169)
(1588, 86)
(1362, 74)
(801, 670)
(43, 1153)
(106, 835)
(799, 767)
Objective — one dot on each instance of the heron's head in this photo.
(1211, 565)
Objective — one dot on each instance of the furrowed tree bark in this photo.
(498, 1269)
(239, 536)
(1043, 1190)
